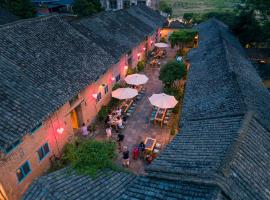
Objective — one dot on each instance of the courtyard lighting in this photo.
(60, 130)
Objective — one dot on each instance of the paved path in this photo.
(139, 126)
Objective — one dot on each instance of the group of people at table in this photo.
(156, 56)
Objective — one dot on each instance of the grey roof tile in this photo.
(45, 62)
(225, 105)
(66, 184)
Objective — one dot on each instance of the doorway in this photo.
(76, 117)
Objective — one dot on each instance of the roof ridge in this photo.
(216, 117)
(23, 21)
(230, 68)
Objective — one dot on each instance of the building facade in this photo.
(124, 4)
(61, 75)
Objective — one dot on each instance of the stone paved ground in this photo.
(138, 126)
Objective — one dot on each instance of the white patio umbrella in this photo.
(136, 79)
(124, 93)
(161, 45)
(163, 100)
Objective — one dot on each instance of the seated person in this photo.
(119, 111)
(119, 122)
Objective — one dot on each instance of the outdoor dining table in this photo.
(160, 115)
(150, 144)
(126, 104)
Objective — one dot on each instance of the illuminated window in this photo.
(43, 151)
(23, 171)
(106, 89)
(98, 96)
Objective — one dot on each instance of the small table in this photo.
(150, 144)
(160, 115)
(126, 104)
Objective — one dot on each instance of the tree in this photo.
(188, 16)
(182, 37)
(21, 8)
(171, 72)
(165, 7)
(86, 7)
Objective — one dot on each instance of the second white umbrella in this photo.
(124, 93)
(163, 100)
(161, 45)
(136, 79)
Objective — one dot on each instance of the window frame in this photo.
(43, 151)
(117, 78)
(99, 96)
(23, 172)
(106, 89)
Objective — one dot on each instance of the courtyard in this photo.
(138, 126)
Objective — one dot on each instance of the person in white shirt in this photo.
(84, 130)
(119, 111)
(109, 132)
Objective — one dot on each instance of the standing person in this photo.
(120, 137)
(141, 149)
(125, 157)
(109, 133)
(84, 130)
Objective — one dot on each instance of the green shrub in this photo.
(131, 71)
(172, 91)
(113, 103)
(116, 86)
(89, 156)
(171, 72)
(103, 113)
(140, 65)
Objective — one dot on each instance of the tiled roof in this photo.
(162, 189)
(66, 184)
(222, 150)
(45, 62)
(225, 121)
(263, 70)
(118, 32)
(6, 16)
(51, 62)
